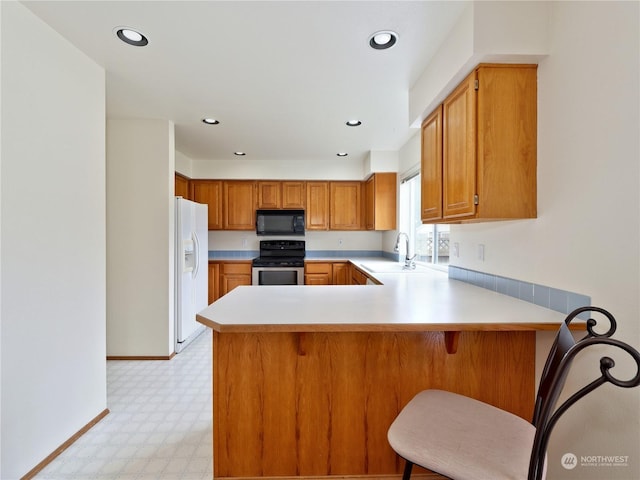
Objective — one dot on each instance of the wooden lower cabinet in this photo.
(340, 273)
(358, 277)
(320, 403)
(327, 273)
(214, 281)
(225, 275)
(318, 273)
(234, 274)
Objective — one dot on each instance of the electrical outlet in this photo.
(481, 252)
(456, 249)
(340, 242)
(245, 242)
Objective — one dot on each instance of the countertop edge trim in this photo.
(395, 327)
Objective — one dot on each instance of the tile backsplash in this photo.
(553, 298)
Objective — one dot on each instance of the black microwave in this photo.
(280, 222)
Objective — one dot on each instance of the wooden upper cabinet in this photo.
(210, 193)
(269, 194)
(339, 205)
(431, 167)
(345, 205)
(458, 151)
(293, 194)
(489, 125)
(182, 186)
(281, 194)
(507, 141)
(239, 206)
(317, 207)
(380, 201)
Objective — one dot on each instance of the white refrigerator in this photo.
(191, 270)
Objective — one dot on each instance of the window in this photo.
(430, 243)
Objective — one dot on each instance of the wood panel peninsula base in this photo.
(307, 379)
(320, 403)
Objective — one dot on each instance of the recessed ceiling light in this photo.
(354, 123)
(383, 39)
(210, 121)
(240, 154)
(342, 154)
(131, 36)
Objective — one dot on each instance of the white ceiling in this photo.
(281, 77)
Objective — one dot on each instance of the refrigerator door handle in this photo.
(196, 266)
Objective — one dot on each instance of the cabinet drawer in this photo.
(237, 268)
(317, 268)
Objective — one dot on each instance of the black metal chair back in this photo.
(562, 353)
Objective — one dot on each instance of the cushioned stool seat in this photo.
(462, 438)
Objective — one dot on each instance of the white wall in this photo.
(586, 238)
(507, 32)
(381, 161)
(183, 164)
(281, 170)
(53, 378)
(140, 238)
(337, 241)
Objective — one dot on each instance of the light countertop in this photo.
(420, 300)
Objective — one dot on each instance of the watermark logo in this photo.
(569, 461)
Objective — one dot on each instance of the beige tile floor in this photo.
(159, 428)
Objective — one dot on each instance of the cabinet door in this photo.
(380, 193)
(181, 187)
(345, 208)
(209, 192)
(317, 273)
(369, 203)
(317, 279)
(214, 281)
(234, 274)
(269, 195)
(357, 277)
(459, 150)
(317, 212)
(340, 273)
(507, 141)
(239, 205)
(431, 167)
(293, 194)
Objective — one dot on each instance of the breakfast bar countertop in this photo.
(292, 361)
(423, 300)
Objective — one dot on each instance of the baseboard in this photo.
(143, 357)
(32, 473)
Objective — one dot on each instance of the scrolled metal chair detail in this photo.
(464, 438)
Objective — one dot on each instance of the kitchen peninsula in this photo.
(307, 379)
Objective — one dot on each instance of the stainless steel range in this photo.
(281, 262)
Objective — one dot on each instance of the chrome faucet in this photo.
(408, 261)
